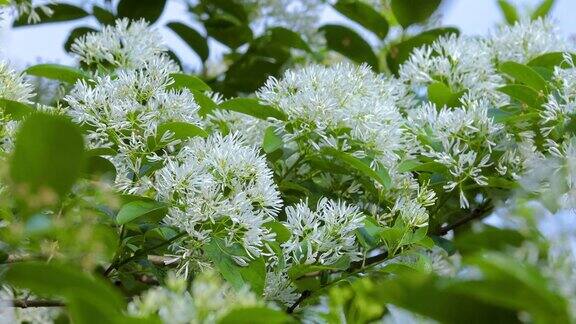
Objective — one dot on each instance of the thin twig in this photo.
(478, 213)
(21, 303)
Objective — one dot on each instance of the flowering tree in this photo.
(308, 176)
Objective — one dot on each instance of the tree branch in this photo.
(22, 303)
(478, 213)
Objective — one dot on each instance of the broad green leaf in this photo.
(299, 270)
(524, 74)
(399, 53)
(499, 182)
(488, 239)
(180, 130)
(189, 82)
(282, 233)
(381, 177)
(271, 141)
(509, 11)
(348, 43)
(206, 104)
(254, 274)
(409, 12)
(58, 72)
(253, 108)
(441, 95)
(60, 12)
(75, 34)
(550, 60)
(150, 10)
(48, 155)
(543, 9)
(255, 315)
(103, 16)
(287, 38)
(85, 296)
(408, 165)
(523, 94)
(15, 109)
(97, 165)
(136, 209)
(364, 15)
(228, 31)
(194, 39)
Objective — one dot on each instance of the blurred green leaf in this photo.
(255, 315)
(75, 34)
(364, 15)
(409, 12)
(271, 142)
(287, 38)
(136, 209)
(103, 16)
(543, 9)
(228, 31)
(253, 108)
(48, 155)
(15, 109)
(149, 10)
(509, 11)
(60, 12)
(194, 39)
(58, 72)
(348, 43)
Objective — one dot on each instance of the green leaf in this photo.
(194, 39)
(282, 233)
(272, 142)
(86, 297)
(408, 165)
(299, 270)
(348, 43)
(381, 177)
(49, 155)
(206, 104)
(523, 94)
(254, 274)
(103, 16)
(409, 12)
(364, 15)
(136, 209)
(550, 60)
(228, 31)
(15, 109)
(252, 107)
(399, 53)
(543, 9)
(255, 315)
(60, 12)
(75, 34)
(524, 74)
(509, 11)
(287, 38)
(441, 95)
(189, 82)
(488, 239)
(58, 72)
(181, 130)
(97, 166)
(150, 10)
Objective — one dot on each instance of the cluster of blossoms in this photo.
(26, 8)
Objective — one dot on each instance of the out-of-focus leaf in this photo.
(256, 315)
(543, 9)
(489, 238)
(348, 43)
(150, 10)
(509, 11)
(15, 109)
(103, 16)
(253, 108)
(48, 155)
(189, 82)
(286, 37)
(228, 31)
(409, 12)
(60, 12)
(399, 53)
(75, 34)
(271, 142)
(524, 74)
(58, 72)
(135, 209)
(194, 39)
(364, 15)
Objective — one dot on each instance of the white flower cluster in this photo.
(127, 44)
(29, 8)
(220, 187)
(338, 106)
(209, 300)
(13, 86)
(461, 63)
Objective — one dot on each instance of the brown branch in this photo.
(22, 303)
(305, 294)
(476, 214)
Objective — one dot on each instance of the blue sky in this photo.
(27, 45)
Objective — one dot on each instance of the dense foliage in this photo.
(309, 175)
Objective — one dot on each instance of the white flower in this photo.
(461, 63)
(340, 103)
(252, 129)
(279, 288)
(322, 236)
(220, 180)
(526, 40)
(13, 86)
(127, 44)
(21, 8)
